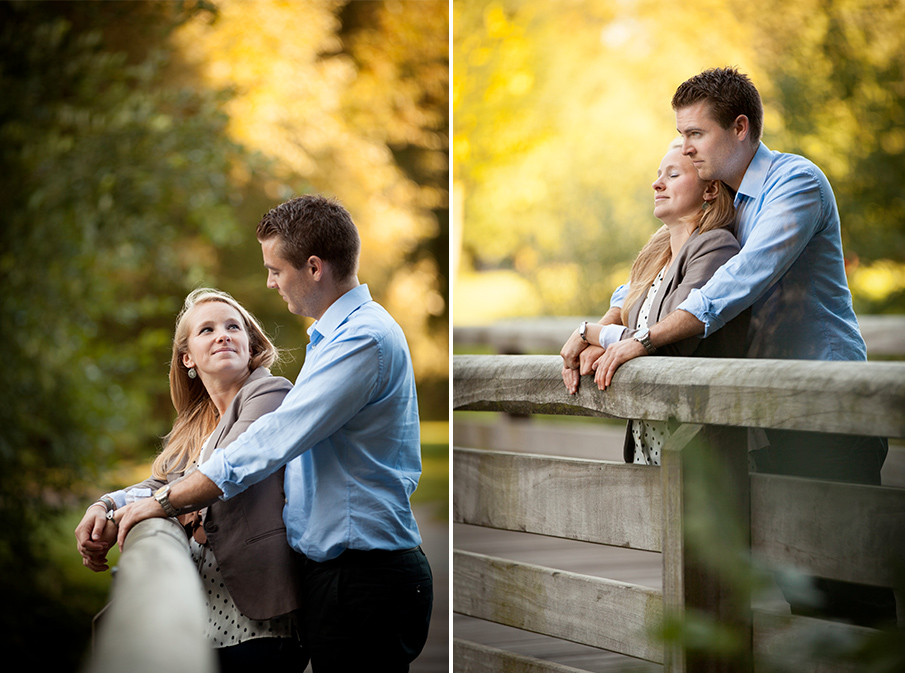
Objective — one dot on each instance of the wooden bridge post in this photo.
(706, 548)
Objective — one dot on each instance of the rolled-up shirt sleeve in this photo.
(783, 227)
(322, 401)
(618, 296)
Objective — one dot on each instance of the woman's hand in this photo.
(571, 351)
(588, 357)
(570, 377)
(94, 536)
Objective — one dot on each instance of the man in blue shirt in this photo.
(348, 433)
(790, 271)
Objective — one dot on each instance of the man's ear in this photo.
(316, 267)
(742, 127)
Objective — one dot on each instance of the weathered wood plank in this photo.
(704, 478)
(592, 501)
(471, 657)
(602, 613)
(840, 531)
(800, 643)
(844, 397)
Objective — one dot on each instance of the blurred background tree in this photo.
(141, 142)
(561, 114)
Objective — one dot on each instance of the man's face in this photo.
(294, 285)
(717, 153)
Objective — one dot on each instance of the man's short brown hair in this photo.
(314, 225)
(729, 93)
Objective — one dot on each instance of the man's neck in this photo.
(335, 292)
(735, 181)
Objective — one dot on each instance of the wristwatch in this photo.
(643, 338)
(161, 496)
(583, 331)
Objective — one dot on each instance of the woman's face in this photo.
(678, 191)
(218, 345)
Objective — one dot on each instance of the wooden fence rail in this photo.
(835, 530)
(156, 618)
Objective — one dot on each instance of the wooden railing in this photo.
(834, 530)
(156, 618)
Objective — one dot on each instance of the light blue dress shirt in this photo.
(790, 263)
(348, 433)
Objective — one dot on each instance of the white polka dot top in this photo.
(225, 624)
(649, 436)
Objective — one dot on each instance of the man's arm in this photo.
(796, 204)
(183, 496)
(676, 326)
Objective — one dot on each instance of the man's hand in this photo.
(188, 493)
(128, 516)
(94, 536)
(614, 357)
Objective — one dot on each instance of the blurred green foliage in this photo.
(124, 187)
(111, 176)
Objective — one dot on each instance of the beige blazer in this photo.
(246, 532)
(696, 262)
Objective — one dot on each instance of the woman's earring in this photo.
(192, 373)
(706, 206)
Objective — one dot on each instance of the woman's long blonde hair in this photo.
(657, 253)
(196, 414)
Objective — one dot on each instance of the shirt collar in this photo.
(756, 175)
(338, 311)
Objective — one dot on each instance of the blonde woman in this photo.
(694, 241)
(219, 385)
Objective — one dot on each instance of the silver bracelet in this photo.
(107, 502)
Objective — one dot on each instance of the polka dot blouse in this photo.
(225, 624)
(649, 436)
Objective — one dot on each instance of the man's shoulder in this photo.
(370, 320)
(785, 165)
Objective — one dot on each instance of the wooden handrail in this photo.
(155, 621)
(842, 397)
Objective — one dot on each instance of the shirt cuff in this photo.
(703, 309)
(122, 498)
(610, 334)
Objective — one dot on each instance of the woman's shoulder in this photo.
(262, 381)
(714, 238)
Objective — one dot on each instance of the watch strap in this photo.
(644, 339)
(161, 497)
